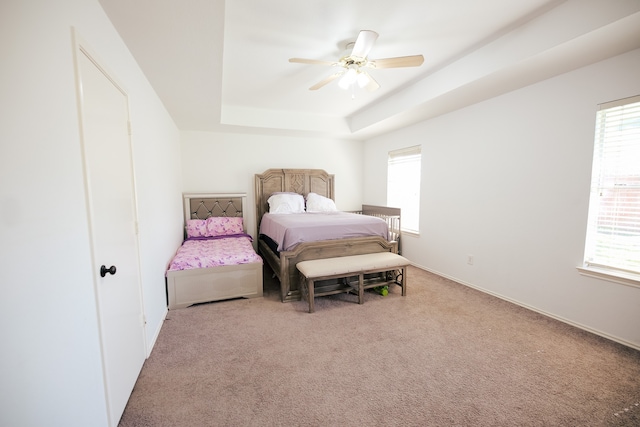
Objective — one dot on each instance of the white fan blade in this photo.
(372, 85)
(364, 43)
(401, 61)
(311, 61)
(326, 81)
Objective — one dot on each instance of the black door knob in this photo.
(104, 270)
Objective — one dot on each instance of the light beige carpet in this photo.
(444, 355)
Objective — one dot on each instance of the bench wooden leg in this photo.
(361, 288)
(311, 296)
(404, 281)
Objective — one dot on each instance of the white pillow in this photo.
(286, 203)
(318, 203)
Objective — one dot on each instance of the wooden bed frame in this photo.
(304, 181)
(188, 287)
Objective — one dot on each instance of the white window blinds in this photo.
(403, 185)
(613, 235)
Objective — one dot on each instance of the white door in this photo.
(112, 216)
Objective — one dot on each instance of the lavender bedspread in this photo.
(214, 252)
(287, 230)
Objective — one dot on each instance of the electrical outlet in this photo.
(470, 259)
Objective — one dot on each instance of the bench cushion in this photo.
(351, 264)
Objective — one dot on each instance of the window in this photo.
(403, 185)
(613, 233)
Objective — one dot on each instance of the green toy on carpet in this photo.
(382, 290)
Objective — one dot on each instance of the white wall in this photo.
(51, 371)
(228, 162)
(507, 181)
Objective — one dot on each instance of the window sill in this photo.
(623, 278)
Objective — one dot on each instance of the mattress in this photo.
(288, 230)
(214, 252)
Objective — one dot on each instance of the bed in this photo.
(283, 259)
(217, 260)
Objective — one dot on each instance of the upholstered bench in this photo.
(316, 270)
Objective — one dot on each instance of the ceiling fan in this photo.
(353, 65)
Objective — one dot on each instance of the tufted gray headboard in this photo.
(205, 205)
(202, 206)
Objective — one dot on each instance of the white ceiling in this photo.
(223, 66)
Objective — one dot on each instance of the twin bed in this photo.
(217, 261)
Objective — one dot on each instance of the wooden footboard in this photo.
(284, 265)
(188, 287)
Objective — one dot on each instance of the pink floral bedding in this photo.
(204, 253)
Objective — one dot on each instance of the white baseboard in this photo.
(156, 333)
(537, 310)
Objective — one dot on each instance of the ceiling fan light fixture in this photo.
(348, 79)
(362, 79)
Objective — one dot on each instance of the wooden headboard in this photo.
(301, 181)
